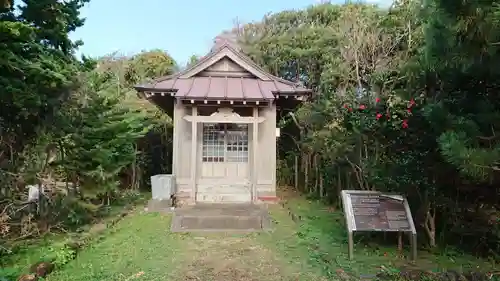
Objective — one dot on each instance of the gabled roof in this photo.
(257, 85)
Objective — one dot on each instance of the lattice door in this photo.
(225, 151)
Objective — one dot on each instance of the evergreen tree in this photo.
(37, 68)
(461, 58)
(99, 136)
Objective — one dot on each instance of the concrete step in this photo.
(224, 198)
(221, 218)
(215, 187)
(159, 206)
(221, 223)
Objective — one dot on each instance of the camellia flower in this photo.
(379, 116)
(345, 105)
(409, 110)
(377, 100)
(405, 124)
(350, 109)
(412, 103)
(362, 107)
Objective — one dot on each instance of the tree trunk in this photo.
(306, 171)
(296, 172)
(430, 227)
(429, 222)
(316, 174)
(321, 187)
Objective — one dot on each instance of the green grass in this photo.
(321, 237)
(27, 253)
(141, 247)
(139, 243)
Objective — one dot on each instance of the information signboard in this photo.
(375, 211)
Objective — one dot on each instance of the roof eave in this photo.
(153, 89)
(301, 92)
(225, 99)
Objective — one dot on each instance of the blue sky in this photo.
(180, 27)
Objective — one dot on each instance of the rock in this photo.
(27, 277)
(42, 269)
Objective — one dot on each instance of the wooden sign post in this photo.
(375, 211)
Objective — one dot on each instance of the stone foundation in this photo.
(268, 199)
(183, 199)
(221, 218)
(159, 205)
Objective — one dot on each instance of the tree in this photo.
(461, 54)
(192, 60)
(149, 65)
(100, 137)
(38, 67)
(405, 103)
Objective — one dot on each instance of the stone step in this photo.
(220, 222)
(223, 188)
(223, 197)
(159, 205)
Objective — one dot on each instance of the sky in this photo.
(180, 27)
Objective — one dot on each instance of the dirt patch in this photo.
(288, 192)
(227, 258)
(220, 271)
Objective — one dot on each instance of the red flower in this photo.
(345, 105)
(362, 107)
(412, 103)
(377, 100)
(405, 124)
(409, 110)
(350, 109)
(378, 116)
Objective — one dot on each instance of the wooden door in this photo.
(225, 153)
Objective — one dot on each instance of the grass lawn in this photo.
(141, 247)
(322, 232)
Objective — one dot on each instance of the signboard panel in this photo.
(375, 211)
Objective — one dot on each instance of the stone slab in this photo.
(226, 198)
(159, 205)
(221, 218)
(222, 222)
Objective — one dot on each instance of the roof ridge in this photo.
(202, 60)
(238, 53)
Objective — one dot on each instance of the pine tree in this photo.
(100, 138)
(462, 62)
